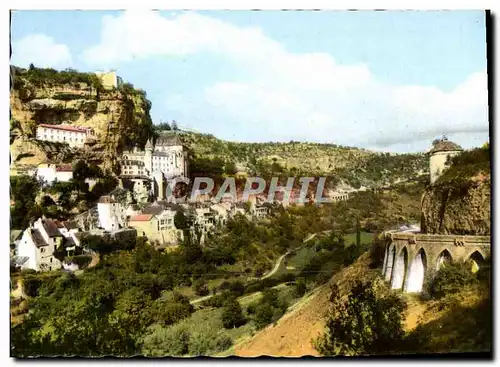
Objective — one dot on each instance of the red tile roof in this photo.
(141, 218)
(64, 168)
(64, 128)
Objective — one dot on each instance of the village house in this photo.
(112, 214)
(74, 136)
(49, 173)
(36, 248)
(157, 228)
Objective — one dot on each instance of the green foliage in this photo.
(160, 341)
(23, 191)
(451, 278)
(181, 221)
(31, 286)
(269, 309)
(363, 324)
(163, 126)
(81, 260)
(200, 287)
(232, 315)
(464, 166)
(300, 287)
(44, 76)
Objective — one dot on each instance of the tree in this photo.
(180, 220)
(174, 126)
(300, 287)
(163, 126)
(263, 315)
(232, 315)
(200, 287)
(362, 324)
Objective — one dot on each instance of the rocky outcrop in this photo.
(120, 116)
(463, 210)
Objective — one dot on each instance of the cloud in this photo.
(40, 50)
(286, 95)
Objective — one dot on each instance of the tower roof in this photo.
(149, 144)
(444, 145)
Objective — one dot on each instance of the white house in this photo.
(51, 172)
(38, 244)
(74, 136)
(112, 215)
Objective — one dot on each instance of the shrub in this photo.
(451, 278)
(232, 315)
(300, 287)
(237, 288)
(263, 315)
(222, 343)
(161, 341)
(31, 286)
(200, 287)
(362, 324)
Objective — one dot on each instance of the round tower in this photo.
(440, 153)
(148, 156)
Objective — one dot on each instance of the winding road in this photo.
(271, 273)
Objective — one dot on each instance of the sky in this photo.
(388, 81)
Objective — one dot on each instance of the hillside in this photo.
(459, 202)
(352, 167)
(119, 116)
(458, 322)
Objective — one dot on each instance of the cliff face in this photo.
(459, 210)
(120, 117)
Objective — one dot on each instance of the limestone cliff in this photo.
(119, 116)
(460, 201)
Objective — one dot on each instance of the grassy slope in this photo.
(456, 323)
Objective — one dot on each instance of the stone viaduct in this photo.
(413, 258)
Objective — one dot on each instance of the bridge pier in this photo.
(412, 259)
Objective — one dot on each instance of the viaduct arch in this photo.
(410, 259)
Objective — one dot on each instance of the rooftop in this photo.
(444, 145)
(141, 218)
(37, 238)
(64, 168)
(51, 227)
(64, 128)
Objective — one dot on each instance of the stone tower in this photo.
(441, 151)
(148, 156)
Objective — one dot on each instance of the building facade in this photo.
(42, 239)
(112, 215)
(51, 172)
(74, 136)
(167, 156)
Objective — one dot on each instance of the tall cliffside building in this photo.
(164, 160)
(440, 153)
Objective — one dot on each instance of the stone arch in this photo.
(443, 258)
(386, 257)
(416, 273)
(400, 269)
(477, 260)
(390, 263)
